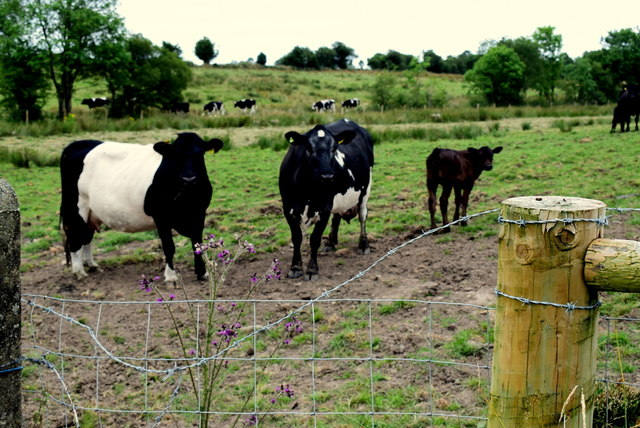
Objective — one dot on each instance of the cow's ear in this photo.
(472, 150)
(214, 144)
(162, 147)
(497, 149)
(345, 137)
(293, 137)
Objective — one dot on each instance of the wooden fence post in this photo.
(544, 356)
(10, 312)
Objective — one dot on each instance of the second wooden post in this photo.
(545, 337)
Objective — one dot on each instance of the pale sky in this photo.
(241, 29)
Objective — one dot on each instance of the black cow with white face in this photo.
(326, 171)
(131, 188)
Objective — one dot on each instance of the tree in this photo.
(172, 48)
(549, 46)
(344, 55)
(70, 33)
(498, 76)
(434, 62)
(23, 81)
(622, 59)
(299, 57)
(262, 59)
(529, 54)
(326, 57)
(392, 60)
(147, 76)
(579, 84)
(205, 50)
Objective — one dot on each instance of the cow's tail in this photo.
(432, 162)
(65, 241)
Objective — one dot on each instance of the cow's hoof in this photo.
(364, 251)
(94, 268)
(293, 274)
(311, 276)
(203, 278)
(80, 276)
(328, 248)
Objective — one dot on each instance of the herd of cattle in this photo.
(326, 174)
(246, 105)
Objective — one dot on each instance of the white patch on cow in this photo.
(351, 174)
(343, 202)
(347, 120)
(81, 258)
(113, 185)
(77, 267)
(307, 220)
(340, 158)
(170, 275)
(321, 133)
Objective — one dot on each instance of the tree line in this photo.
(56, 43)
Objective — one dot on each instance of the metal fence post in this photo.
(10, 312)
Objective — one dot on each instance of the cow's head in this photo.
(183, 160)
(322, 153)
(483, 157)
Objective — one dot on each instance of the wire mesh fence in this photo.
(319, 362)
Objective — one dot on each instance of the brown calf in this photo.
(457, 169)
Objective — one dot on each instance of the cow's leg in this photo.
(465, 203)
(78, 241)
(363, 245)
(637, 121)
(296, 241)
(431, 202)
(332, 241)
(457, 191)
(444, 206)
(169, 249)
(87, 257)
(314, 243)
(198, 262)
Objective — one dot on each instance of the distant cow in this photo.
(351, 103)
(214, 107)
(458, 170)
(95, 102)
(131, 188)
(324, 105)
(179, 107)
(246, 104)
(326, 171)
(628, 105)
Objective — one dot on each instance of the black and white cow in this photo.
(131, 188)
(95, 102)
(326, 171)
(246, 104)
(324, 105)
(214, 107)
(351, 103)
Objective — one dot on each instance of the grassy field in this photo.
(565, 151)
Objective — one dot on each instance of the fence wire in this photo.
(393, 359)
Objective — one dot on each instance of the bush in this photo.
(617, 406)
